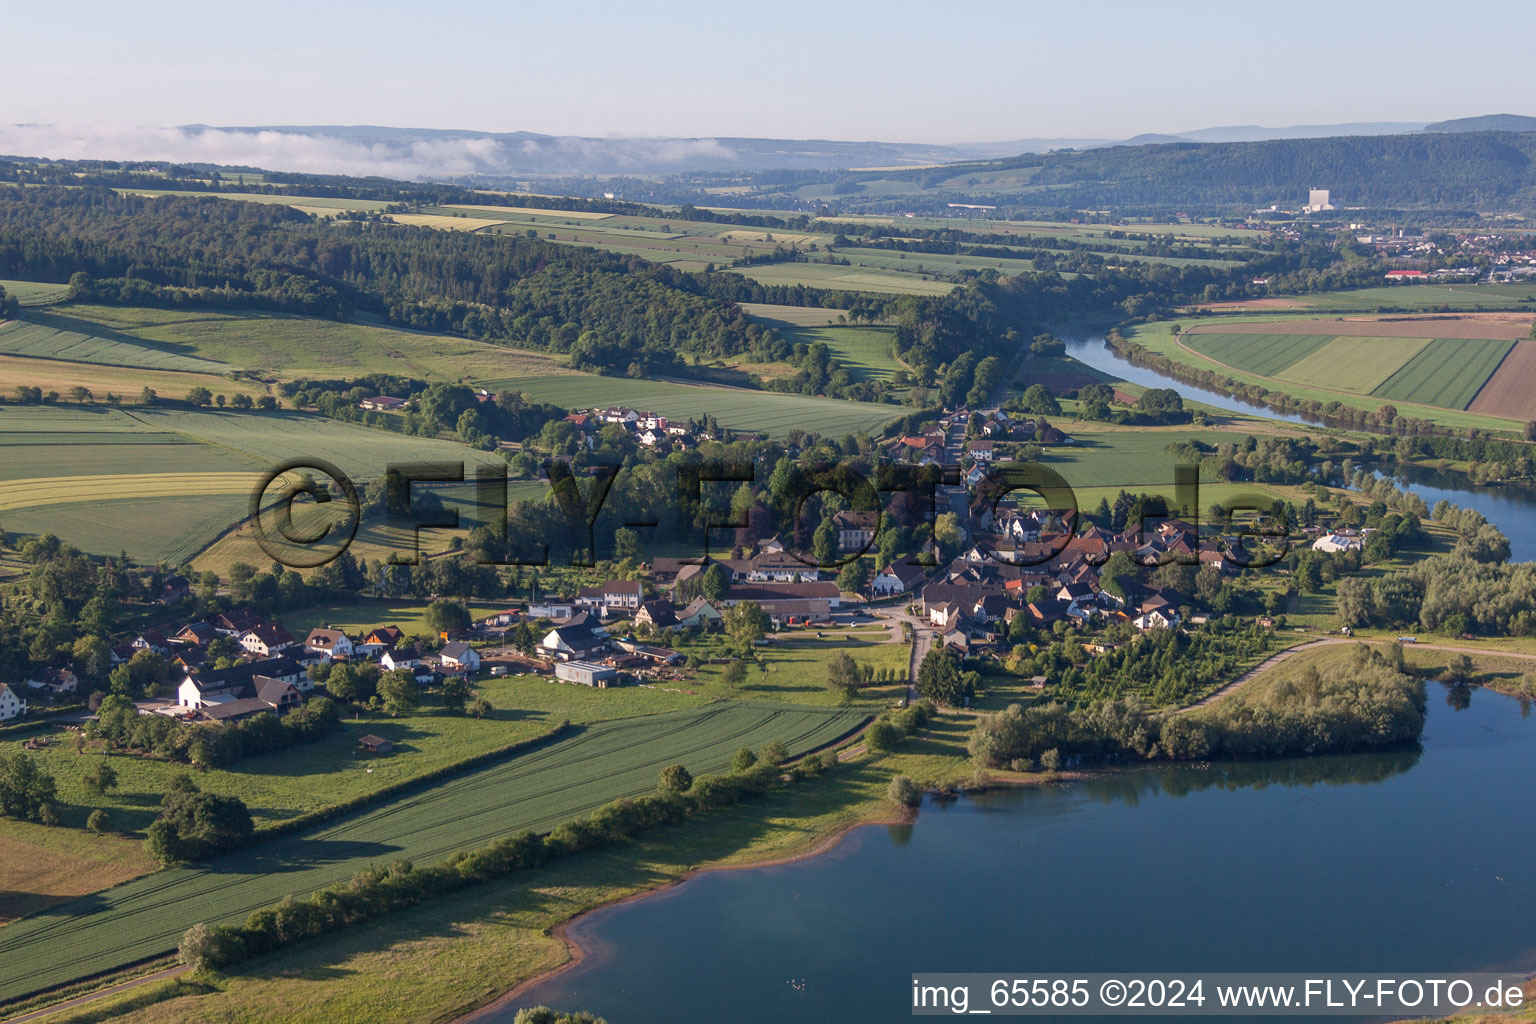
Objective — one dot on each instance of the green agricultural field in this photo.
(535, 790)
(34, 293)
(1448, 372)
(774, 413)
(296, 346)
(1426, 297)
(1360, 365)
(164, 483)
(1132, 459)
(1264, 354)
(865, 351)
(797, 665)
(48, 336)
(854, 279)
(932, 263)
(793, 316)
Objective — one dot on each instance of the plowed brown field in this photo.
(1511, 391)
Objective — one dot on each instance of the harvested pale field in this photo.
(1359, 365)
(55, 490)
(42, 866)
(789, 237)
(799, 316)
(1511, 391)
(529, 211)
(1499, 326)
(431, 220)
(60, 376)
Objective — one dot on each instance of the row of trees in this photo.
(1361, 701)
(379, 889)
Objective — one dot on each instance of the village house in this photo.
(194, 634)
(379, 639)
(896, 578)
(273, 682)
(855, 530)
(267, 640)
(699, 613)
(11, 705)
(399, 657)
(658, 614)
(1156, 613)
(615, 595)
(571, 643)
(459, 655)
(236, 622)
(333, 643)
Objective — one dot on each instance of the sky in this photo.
(957, 71)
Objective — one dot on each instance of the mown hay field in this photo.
(34, 293)
(442, 222)
(41, 866)
(127, 384)
(162, 483)
(49, 336)
(295, 346)
(1357, 364)
(858, 279)
(536, 790)
(794, 316)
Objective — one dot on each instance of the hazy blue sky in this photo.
(930, 71)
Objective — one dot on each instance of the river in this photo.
(1407, 860)
(1512, 509)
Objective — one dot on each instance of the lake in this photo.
(1407, 860)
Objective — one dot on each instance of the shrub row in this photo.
(379, 889)
(331, 811)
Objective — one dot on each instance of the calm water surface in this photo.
(1410, 860)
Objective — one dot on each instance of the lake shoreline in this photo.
(566, 931)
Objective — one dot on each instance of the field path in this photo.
(110, 990)
(1275, 659)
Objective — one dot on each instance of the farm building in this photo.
(382, 403)
(375, 744)
(586, 673)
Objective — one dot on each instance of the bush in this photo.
(904, 791)
(743, 760)
(1050, 761)
(203, 946)
(544, 1015)
(97, 822)
(676, 779)
(881, 736)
